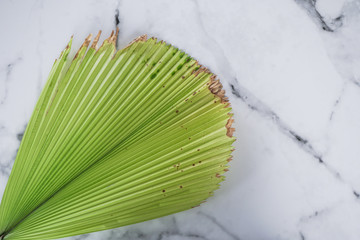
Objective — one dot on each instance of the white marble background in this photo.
(292, 71)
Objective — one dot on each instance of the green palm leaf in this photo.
(116, 138)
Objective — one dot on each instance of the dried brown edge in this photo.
(216, 88)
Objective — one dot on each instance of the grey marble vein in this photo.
(8, 70)
(329, 25)
(256, 105)
(220, 225)
(338, 100)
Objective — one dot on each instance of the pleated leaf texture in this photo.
(116, 138)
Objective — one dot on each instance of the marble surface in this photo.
(291, 69)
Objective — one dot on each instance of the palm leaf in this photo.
(116, 138)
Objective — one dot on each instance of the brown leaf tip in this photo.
(113, 36)
(200, 69)
(96, 40)
(141, 38)
(85, 44)
(230, 130)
